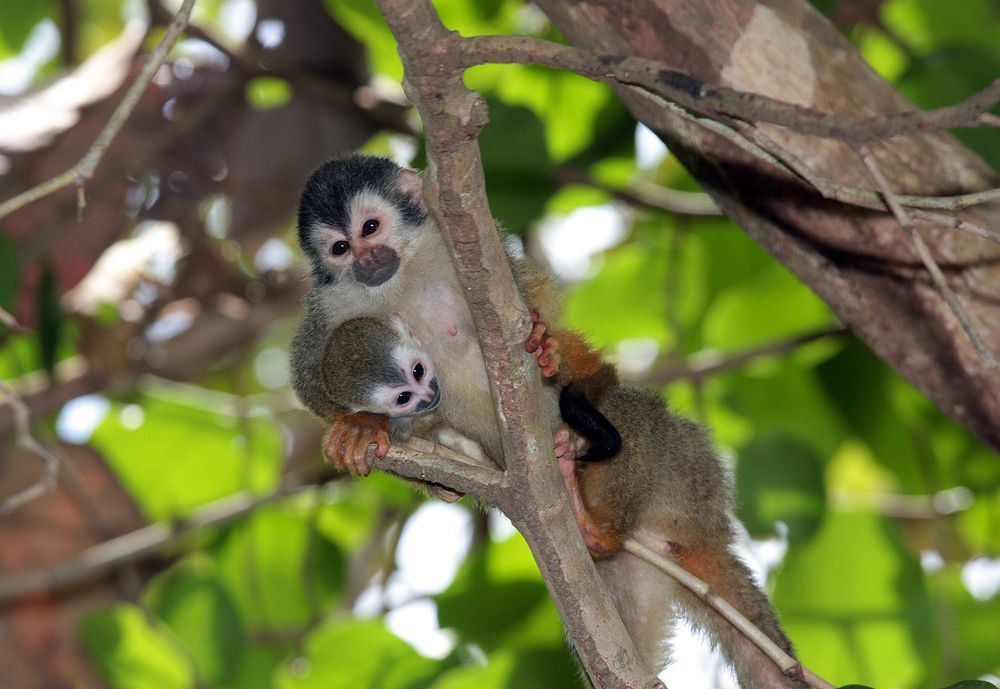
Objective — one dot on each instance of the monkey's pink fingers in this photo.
(535, 317)
(333, 448)
(381, 443)
(549, 357)
(355, 451)
(534, 340)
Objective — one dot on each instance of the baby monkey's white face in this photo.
(416, 391)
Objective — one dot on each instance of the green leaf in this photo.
(854, 601)
(50, 317)
(347, 654)
(278, 569)
(625, 299)
(268, 93)
(516, 164)
(772, 305)
(198, 608)
(972, 628)
(362, 19)
(174, 458)
(133, 653)
(10, 273)
(779, 478)
(533, 669)
(17, 19)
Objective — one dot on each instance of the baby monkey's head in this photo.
(376, 365)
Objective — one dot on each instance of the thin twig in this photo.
(8, 320)
(84, 170)
(986, 355)
(22, 425)
(705, 364)
(105, 557)
(788, 665)
(696, 95)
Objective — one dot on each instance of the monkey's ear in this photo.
(410, 182)
(404, 327)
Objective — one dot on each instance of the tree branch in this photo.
(535, 500)
(701, 97)
(131, 547)
(986, 355)
(84, 170)
(22, 425)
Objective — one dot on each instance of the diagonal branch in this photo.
(535, 501)
(708, 99)
(84, 170)
(22, 424)
(986, 355)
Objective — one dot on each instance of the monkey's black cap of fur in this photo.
(332, 185)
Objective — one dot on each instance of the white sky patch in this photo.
(633, 356)
(80, 417)
(270, 367)
(570, 242)
(649, 150)
(695, 663)
(237, 17)
(416, 623)
(433, 545)
(270, 33)
(981, 577)
(931, 560)
(273, 254)
(41, 46)
(169, 326)
(501, 528)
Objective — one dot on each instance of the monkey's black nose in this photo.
(427, 405)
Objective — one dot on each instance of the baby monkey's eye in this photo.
(370, 227)
(418, 372)
(403, 398)
(339, 248)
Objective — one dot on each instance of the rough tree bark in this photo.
(859, 261)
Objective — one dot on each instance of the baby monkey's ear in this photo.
(412, 184)
(403, 327)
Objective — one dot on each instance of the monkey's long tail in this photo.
(730, 579)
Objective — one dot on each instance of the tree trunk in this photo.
(859, 261)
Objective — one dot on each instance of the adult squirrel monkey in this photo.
(375, 251)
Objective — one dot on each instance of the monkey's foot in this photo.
(350, 438)
(599, 540)
(543, 346)
(567, 445)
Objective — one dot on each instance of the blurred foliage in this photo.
(828, 444)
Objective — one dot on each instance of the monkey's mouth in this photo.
(428, 405)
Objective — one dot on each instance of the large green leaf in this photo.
(347, 654)
(17, 19)
(198, 608)
(280, 571)
(779, 478)
(133, 653)
(174, 458)
(853, 601)
(516, 164)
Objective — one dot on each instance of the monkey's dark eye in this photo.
(339, 248)
(418, 372)
(403, 398)
(370, 227)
